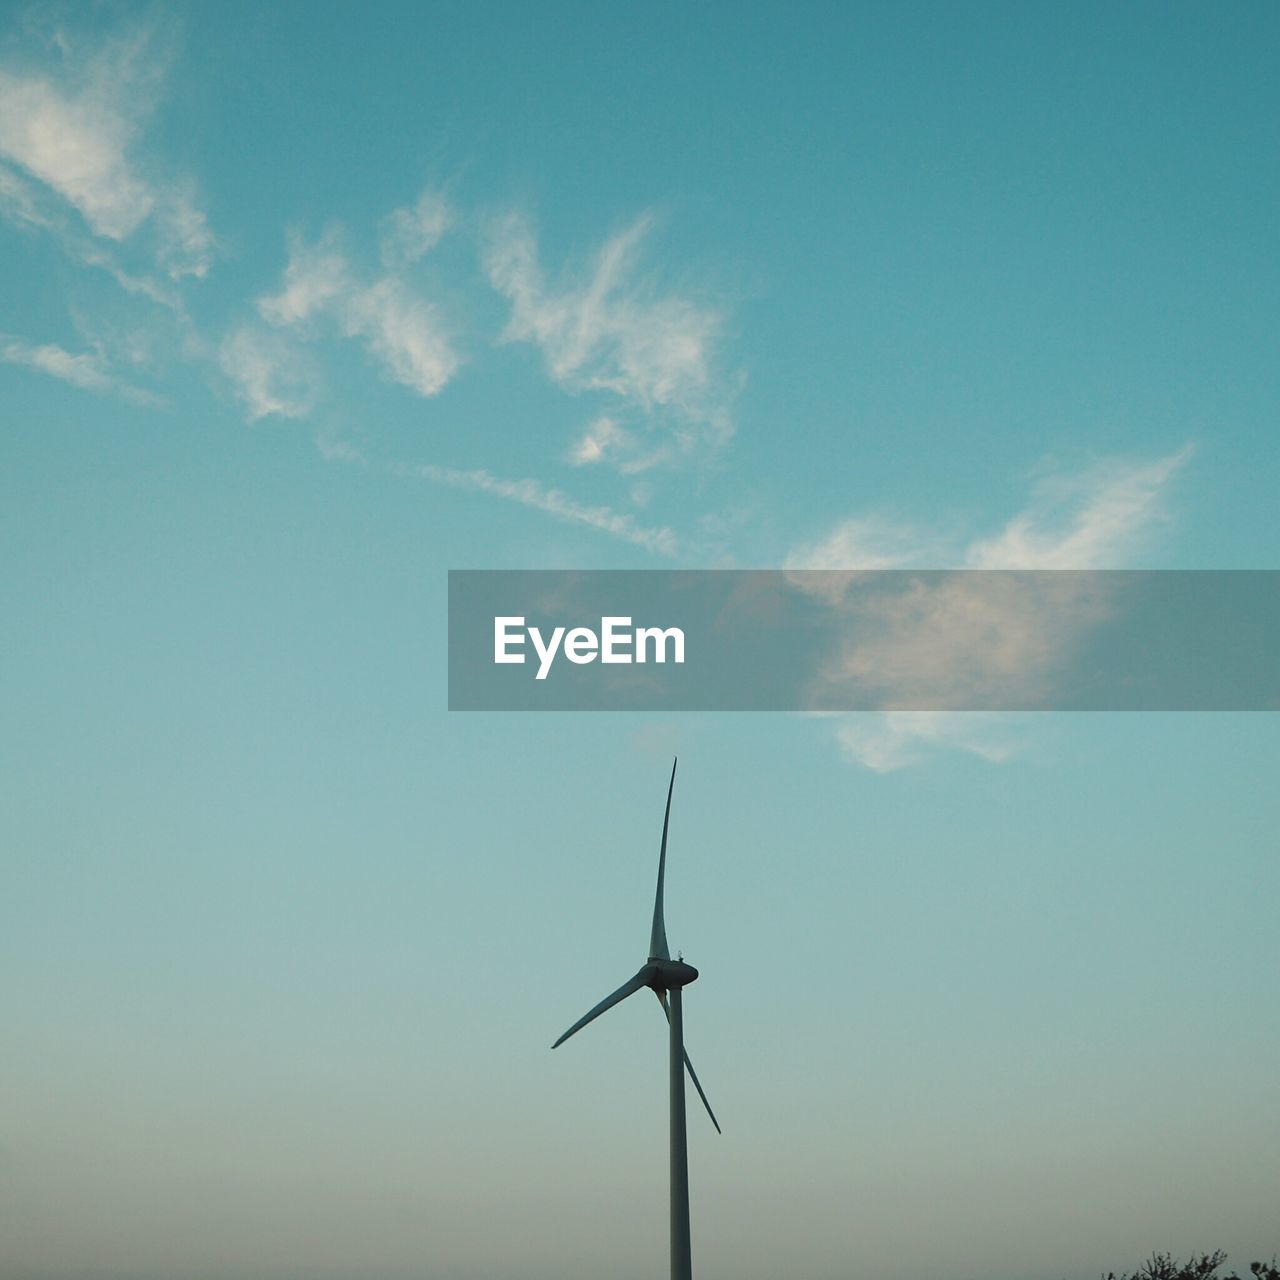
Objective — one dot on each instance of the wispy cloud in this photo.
(606, 441)
(955, 636)
(75, 128)
(531, 493)
(186, 243)
(333, 448)
(165, 295)
(1091, 520)
(315, 280)
(77, 164)
(603, 437)
(87, 370)
(270, 375)
(18, 201)
(401, 330)
(409, 234)
(870, 542)
(612, 330)
(405, 333)
(955, 640)
(897, 739)
(33, 211)
(77, 147)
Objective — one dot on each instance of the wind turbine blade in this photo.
(658, 936)
(628, 988)
(693, 1075)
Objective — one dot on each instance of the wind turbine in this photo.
(665, 977)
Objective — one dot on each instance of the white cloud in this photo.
(897, 739)
(620, 448)
(405, 333)
(1086, 521)
(87, 370)
(955, 640)
(77, 147)
(76, 131)
(316, 279)
(409, 234)
(334, 449)
(18, 201)
(402, 331)
(270, 375)
(186, 242)
(530, 493)
(146, 286)
(30, 209)
(948, 640)
(602, 437)
(613, 331)
(869, 542)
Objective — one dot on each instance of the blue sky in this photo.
(303, 306)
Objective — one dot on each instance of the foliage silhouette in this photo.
(1163, 1266)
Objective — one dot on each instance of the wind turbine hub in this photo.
(666, 974)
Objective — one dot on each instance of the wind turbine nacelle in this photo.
(666, 974)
